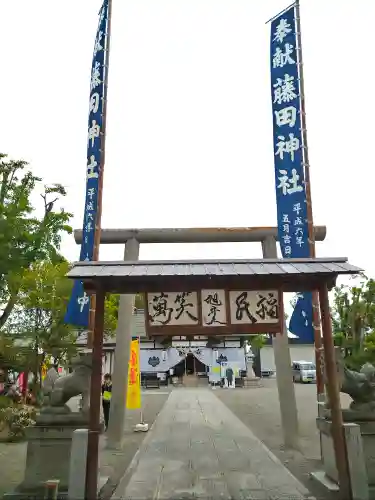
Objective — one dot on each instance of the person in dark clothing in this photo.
(106, 397)
(229, 375)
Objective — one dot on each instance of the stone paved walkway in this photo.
(198, 448)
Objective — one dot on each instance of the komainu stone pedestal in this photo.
(48, 454)
(360, 444)
(251, 380)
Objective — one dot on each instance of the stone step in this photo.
(190, 381)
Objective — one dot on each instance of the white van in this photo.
(304, 371)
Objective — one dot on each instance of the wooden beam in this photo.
(190, 283)
(334, 398)
(95, 399)
(235, 329)
(192, 235)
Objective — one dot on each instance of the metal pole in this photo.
(95, 397)
(139, 374)
(280, 13)
(98, 219)
(310, 220)
(338, 434)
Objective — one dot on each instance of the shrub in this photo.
(17, 419)
(5, 402)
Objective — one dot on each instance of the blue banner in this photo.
(301, 322)
(79, 305)
(289, 170)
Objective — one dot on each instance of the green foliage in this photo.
(256, 342)
(25, 238)
(5, 402)
(11, 357)
(111, 314)
(14, 420)
(111, 311)
(353, 318)
(33, 288)
(37, 322)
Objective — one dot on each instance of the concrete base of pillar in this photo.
(360, 445)
(321, 478)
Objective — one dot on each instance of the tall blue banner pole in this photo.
(310, 219)
(292, 175)
(81, 308)
(339, 443)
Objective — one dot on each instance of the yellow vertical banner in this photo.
(44, 371)
(133, 397)
(46, 363)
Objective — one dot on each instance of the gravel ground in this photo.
(112, 463)
(259, 409)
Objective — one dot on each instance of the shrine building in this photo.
(195, 360)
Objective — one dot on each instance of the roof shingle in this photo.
(252, 267)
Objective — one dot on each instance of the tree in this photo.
(257, 342)
(111, 311)
(111, 314)
(11, 358)
(353, 318)
(25, 238)
(38, 318)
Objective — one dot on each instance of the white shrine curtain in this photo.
(159, 360)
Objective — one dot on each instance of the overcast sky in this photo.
(189, 134)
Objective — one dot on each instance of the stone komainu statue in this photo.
(48, 383)
(360, 386)
(59, 390)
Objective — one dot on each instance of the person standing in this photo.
(106, 397)
(229, 376)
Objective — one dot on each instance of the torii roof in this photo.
(288, 275)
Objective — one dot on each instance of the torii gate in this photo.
(278, 275)
(132, 238)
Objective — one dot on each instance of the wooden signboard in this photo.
(213, 312)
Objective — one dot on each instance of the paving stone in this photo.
(141, 491)
(199, 449)
(148, 470)
(176, 484)
(212, 488)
